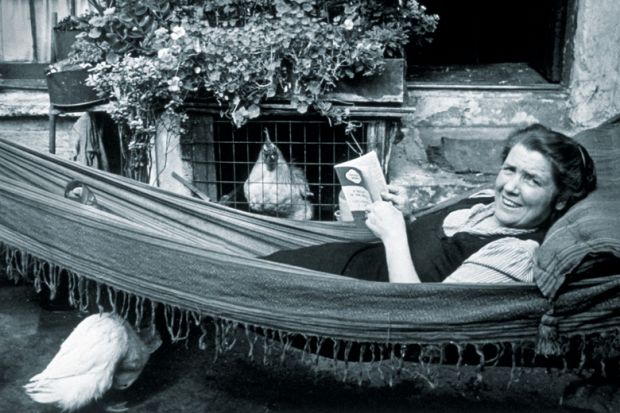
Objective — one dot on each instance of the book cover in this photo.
(362, 182)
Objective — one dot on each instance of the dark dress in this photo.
(435, 255)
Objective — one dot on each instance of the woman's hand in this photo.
(386, 222)
(397, 195)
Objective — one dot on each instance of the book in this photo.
(362, 182)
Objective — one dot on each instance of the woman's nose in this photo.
(512, 184)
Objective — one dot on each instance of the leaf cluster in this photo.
(128, 26)
(154, 55)
(67, 23)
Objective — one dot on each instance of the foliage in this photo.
(153, 55)
(128, 26)
(67, 23)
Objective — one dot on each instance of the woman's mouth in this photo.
(510, 203)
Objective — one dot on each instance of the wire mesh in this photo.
(310, 146)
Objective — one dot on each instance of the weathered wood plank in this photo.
(388, 87)
(200, 136)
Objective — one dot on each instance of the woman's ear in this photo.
(560, 203)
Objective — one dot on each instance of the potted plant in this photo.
(66, 77)
(67, 88)
(64, 34)
(160, 55)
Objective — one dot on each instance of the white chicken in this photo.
(102, 352)
(276, 188)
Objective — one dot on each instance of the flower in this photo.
(348, 24)
(97, 21)
(161, 32)
(164, 54)
(109, 11)
(174, 84)
(177, 32)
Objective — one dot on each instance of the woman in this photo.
(479, 239)
(490, 239)
(543, 174)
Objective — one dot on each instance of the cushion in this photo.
(585, 242)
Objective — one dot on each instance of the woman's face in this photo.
(524, 189)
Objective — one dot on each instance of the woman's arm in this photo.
(388, 224)
(502, 261)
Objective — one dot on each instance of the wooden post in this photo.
(376, 138)
(200, 135)
(53, 52)
(33, 30)
(158, 151)
(53, 115)
(380, 136)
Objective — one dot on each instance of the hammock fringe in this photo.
(375, 361)
(548, 337)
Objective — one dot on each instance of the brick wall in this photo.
(33, 132)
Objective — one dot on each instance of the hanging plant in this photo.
(157, 54)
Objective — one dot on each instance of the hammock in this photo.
(145, 246)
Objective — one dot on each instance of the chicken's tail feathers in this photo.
(69, 394)
(42, 391)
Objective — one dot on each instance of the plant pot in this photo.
(68, 89)
(62, 42)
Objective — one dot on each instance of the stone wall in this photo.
(23, 119)
(33, 132)
(453, 139)
(595, 77)
(453, 136)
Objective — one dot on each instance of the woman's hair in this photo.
(572, 167)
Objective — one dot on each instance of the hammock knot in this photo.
(548, 336)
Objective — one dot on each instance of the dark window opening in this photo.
(513, 42)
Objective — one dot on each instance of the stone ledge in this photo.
(17, 103)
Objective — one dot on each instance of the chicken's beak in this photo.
(269, 147)
(270, 155)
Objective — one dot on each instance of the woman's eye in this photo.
(532, 180)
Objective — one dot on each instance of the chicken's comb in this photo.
(266, 131)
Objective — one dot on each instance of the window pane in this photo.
(15, 36)
(16, 39)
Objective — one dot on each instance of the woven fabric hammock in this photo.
(198, 260)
